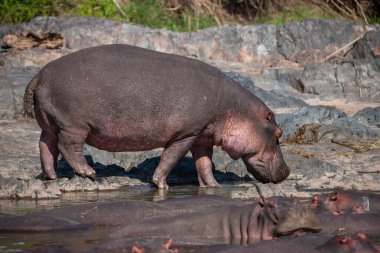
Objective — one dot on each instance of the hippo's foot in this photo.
(160, 182)
(50, 177)
(85, 171)
(210, 182)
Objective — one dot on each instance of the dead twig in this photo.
(119, 8)
(325, 7)
(341, 49)
(369, 172)
(206, 5)
(361, 10)
(347, 11)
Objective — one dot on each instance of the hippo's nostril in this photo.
(278, 132)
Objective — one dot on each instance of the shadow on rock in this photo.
(183, 173)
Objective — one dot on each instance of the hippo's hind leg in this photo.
(49, 153)
(169, 158)
(70, 144)
(202, 156)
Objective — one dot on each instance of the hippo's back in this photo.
(107, 88)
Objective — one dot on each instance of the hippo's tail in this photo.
(29, 97)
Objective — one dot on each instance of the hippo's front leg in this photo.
(169, 158)
(202, 156)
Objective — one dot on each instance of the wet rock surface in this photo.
(327, 104)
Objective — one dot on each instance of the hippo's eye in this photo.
(270, 116)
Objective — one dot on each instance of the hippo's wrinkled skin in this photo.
(227, 223)
(216, 218)
(125, 98)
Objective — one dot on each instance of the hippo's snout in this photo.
(278, 169)
(274, 171)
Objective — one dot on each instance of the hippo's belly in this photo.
(121, 137)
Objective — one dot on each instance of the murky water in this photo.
(82, 240)
(79, 241)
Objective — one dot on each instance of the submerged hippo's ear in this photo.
(261, 201)
(235, 145)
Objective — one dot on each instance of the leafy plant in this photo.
(17, 11)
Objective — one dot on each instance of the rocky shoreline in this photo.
(324, 89)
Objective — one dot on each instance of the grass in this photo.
(300, 12)
(151, 13)
(13, 11)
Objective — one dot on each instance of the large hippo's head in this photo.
(255, 138)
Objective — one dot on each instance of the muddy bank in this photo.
(326, 101)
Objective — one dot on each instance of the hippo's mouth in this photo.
(273, 171)
(259, 169)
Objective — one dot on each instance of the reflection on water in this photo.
(78, 241)
(82, 240)
(129, 193)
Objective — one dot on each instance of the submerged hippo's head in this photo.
(255, 139)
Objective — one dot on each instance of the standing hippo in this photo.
(125, 98)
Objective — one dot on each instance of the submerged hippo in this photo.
(216, 218)
(341, 202)
(229, 223)
(311, 244)
(209, 216)
(125, 98)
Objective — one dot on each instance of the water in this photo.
(82, 240)
(147, 193)
(79, 241)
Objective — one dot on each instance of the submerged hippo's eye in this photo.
(270, 116)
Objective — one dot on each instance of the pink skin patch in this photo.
(362, 236)
(257, 144)
(136, 249)
(345, 242)
(315, 202)
(168, 245)
(358, 209)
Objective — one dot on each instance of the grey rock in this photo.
(324, 35)
(291, 122)
(273, 99)
(348, 128)
(367, 49)
(372, 115)
(12, 88)
(342, 80)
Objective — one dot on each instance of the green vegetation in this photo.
(298, 13)
(13, 11)
(146, 12)
(189, 15)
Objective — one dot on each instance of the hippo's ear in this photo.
(235, 145)
(261, 201)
